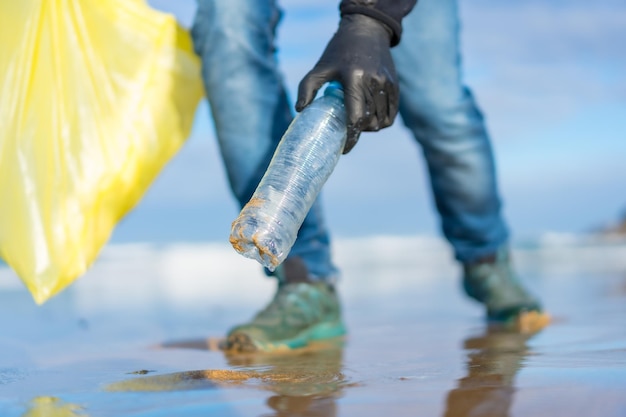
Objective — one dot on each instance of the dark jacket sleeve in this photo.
(389, 12)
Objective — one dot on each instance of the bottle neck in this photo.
(334, 89)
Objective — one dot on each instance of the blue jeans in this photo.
(246, 93)
(235, 40)
(443, 117)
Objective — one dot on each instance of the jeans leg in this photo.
(444, 118)
(244, 86)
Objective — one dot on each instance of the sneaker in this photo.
(299, 313)
(493, 283)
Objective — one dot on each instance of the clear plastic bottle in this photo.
(307, 154)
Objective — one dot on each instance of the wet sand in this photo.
(137, 336)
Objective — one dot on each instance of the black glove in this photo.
(358, 56)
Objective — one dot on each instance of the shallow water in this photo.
(137, 336)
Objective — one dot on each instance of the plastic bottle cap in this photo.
(334, 88)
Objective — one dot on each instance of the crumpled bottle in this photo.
(307, 154)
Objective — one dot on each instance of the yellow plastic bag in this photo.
(96, 96)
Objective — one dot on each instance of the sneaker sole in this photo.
(526, 322)
(242, 342)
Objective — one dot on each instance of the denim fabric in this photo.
(444, 118)
(246, 93)
(249, 105)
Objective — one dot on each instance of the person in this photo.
(420, 78)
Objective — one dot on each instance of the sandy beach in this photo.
(137, 336)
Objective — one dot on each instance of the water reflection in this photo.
(494, 358)
(303, 383)
(52, 407)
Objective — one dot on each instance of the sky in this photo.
(549, 77)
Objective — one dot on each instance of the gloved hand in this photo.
(358, 56)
